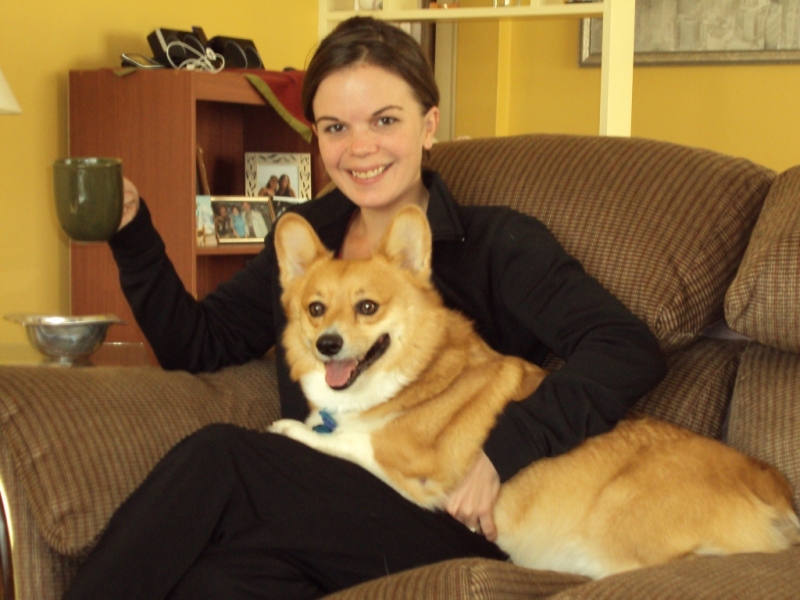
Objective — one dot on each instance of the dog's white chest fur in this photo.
(368, 391)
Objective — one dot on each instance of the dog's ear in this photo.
(407, 242)
(297, 247)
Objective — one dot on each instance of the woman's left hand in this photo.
(472, 502)
(130, 202)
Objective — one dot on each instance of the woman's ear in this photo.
(431, 122)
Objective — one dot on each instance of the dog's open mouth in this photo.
(341, 374)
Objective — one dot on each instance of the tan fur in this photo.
(645, 493)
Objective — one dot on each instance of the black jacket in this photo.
(504, 270)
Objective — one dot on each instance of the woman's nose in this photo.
(363, 142)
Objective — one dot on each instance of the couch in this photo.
(704, 247)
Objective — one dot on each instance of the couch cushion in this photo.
(697, 390)
(763, 301)
(739, 577)
(765, 410)
(81, 440)
(462, 579)
(660, 225)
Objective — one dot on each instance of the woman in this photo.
(285, 187)
(237, 220)
(270, 189)
(223, 223)
(230, 513)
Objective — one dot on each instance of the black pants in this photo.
(232, 513)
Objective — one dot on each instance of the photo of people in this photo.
(278, 180)
(284, 175)
(241, 219)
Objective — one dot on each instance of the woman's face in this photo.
(371, 134)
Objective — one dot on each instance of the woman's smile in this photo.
(370, 174)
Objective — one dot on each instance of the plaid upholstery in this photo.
(39, 572)
(81, 440)
(698, 387)
(747, 576)
(764, 300)
(765, 411)
(662, 226)
(473, 578)
(743, 577)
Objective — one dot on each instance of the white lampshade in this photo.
(8, 104)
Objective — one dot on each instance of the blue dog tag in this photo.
(328, 423)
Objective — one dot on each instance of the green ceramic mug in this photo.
(89, 197)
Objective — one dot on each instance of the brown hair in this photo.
(368, 40)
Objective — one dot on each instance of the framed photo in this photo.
(204, 222)
(278, 174)
(705, 32)
(242, 219)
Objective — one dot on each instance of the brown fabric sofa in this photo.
(683, 236)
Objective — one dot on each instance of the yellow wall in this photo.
(40, 42)
(743, 110)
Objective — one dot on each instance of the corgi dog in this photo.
(404, 387)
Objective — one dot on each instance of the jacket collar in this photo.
(442, 210)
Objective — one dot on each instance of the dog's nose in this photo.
(329, 344)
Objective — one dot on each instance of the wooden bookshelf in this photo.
(153, 121)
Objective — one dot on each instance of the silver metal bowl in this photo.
(66, 340)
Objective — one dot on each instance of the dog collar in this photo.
(328, 423)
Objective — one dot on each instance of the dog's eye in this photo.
(316, 309)
(367, 307)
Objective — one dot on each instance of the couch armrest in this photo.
(81, 440)
(34, 570)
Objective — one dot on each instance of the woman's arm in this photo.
(611, 357)
(230, 326)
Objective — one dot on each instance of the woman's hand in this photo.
(131, 202)
(472, 502)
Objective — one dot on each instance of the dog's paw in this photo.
(289, 428)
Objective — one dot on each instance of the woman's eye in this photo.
(316, 309)
(366, 307)
(335, 128)
(384, 121)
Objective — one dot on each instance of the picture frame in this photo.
(261, 168)
(204, 222)
(704, 32)
(242, 219)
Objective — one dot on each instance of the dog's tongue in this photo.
(337, 372)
